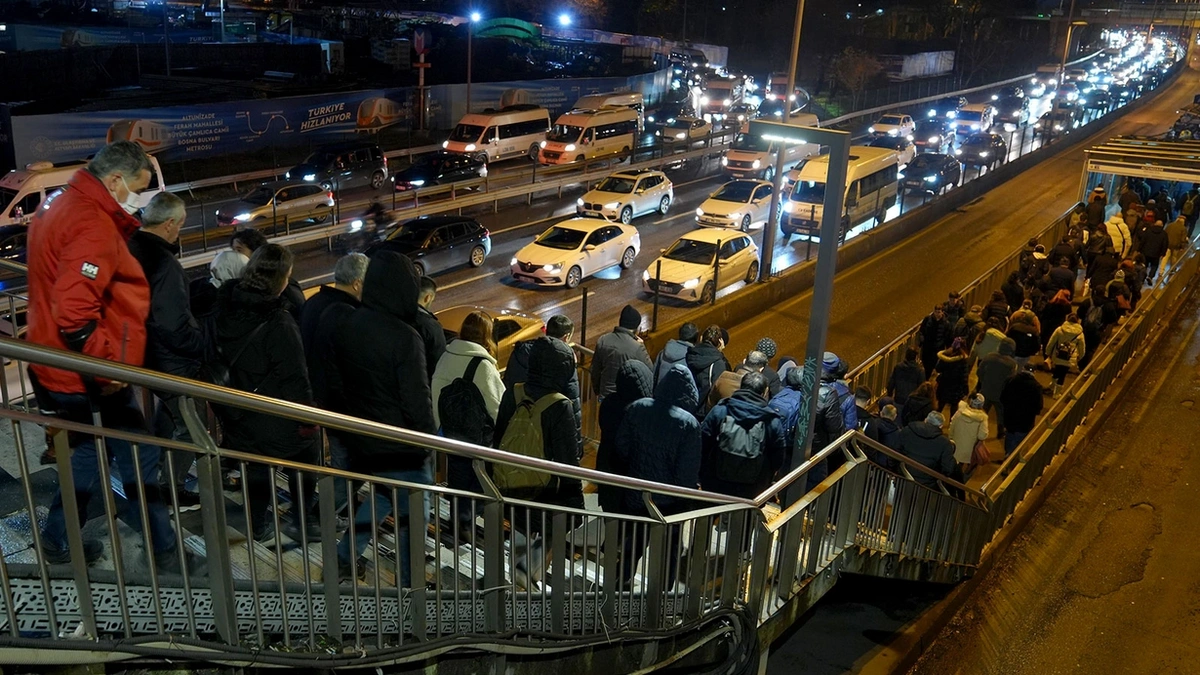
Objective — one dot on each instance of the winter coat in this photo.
(934, 335)
(1027, 336)
(81, 272)
(323, 370)
(924, 443)
(1070, 334)
(659, 440)
(612, 350)
(1122, 238)
(774, 382)
(314, 320)
(1014, 292)
(202, 297)
(1102, 270)
(994, 370)
(1026, 316)
(634, 381)
(845, 401)
(433, 336)
(967, 426)
(747, 409)
(517, 371)
(1053, 316)
(916, 409)
(969, 327)
(293, 299)
(675, 351)
(952, 377)
(1176, 235)
(706, 364)
(729, 382)
(454, 364)
(998, 309)
(1095, 211)
(1064, 250)
(551, 364)
(904, 380)
(990, 344)
(175, 341)
(1154, 242)
(1022, 400)
(888, 432)
(381, 366)
(1063, 278)
(269, 363)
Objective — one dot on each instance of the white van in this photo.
(616, 99)
(500, 134)
(22, 191)
(871, 189)
(588, 134)
(753, 157)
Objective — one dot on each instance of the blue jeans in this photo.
(1012, 439)
(118, 412)
(364, 529)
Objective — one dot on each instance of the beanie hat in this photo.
(976, 402)
(630, 318)
(1119, 276)
(1008, 346)
(830, 362)
(767, 346)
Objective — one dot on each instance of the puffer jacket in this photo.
(659, 440)
(634, 381)
(924, 443)
(675, 351)
(967, 426)
(1154, 242)
(1026, 334)
(1122, 239)
(706, 364)
(381, 366)
(175, 342)
(454, 364)
(1070, 334)
(989, 344)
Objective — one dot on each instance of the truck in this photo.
(721, 94)
(755, 157)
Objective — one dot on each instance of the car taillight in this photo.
(330, 194)
(385, 161)
(487, 233)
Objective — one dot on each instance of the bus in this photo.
(491, 135)
(872, 184)
(587, 134)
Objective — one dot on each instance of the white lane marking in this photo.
(466, 281)
(319, 279)
(557, 305)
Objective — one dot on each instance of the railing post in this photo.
(583, 318)
(79, 566)
(716, 273)
(657, 283)
(329, 572)
(494, 616)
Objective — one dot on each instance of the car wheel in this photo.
(752, 273)
(627, 258)
(663, 205)
(321, 219)
(627, 215)
(708, 293)
(769, 174)
(377, 180)
(533, 152)
(420, 268)
(478, 255)
(625, 153)
(573, 277)
(481, 157)
(580, 159)
(746, 223)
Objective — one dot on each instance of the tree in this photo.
(855, 69)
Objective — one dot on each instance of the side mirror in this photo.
(662, 250)
(640, 191)
(590, 247)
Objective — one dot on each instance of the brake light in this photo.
(487, 233)
(329, 194)
(385, 161)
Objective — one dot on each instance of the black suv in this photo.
(439, 168)
(343, 166)
(439, 243)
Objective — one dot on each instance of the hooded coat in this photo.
(659, 440)
(1154, 242)
(454, 364)
(1062, 278)
(953, 372)
(924, 443)
(1102, 269)
(989, 344)
(517, 370)
(551, 365)
(1022, 399)
(706, 364)
(915, 409)
(1122, 238)
(612, 350)
(675, 351)
(994, 370)
(970, 326)
(1054, 314)
(967, 426)
(1177, 238)
(1014, 292)
(381, 366)
(1026, 333)
(1070, 334)
(747, 408)
(904, 380)
(634, 381)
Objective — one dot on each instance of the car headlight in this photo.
(787, 206)
(680, 136)
(931, 179)
(699, 212)
(995, 97)
(416, 183)
(932, 113)
(870, 130)
(512, 262)
(724, 161)
(958, 152)
(445, 144)
(727, 102)
(1058, 127)
(983, 153)
(579, 202)
(542, 144)
(241, 217)
(975, 127)
(356, 225)
(613, 205)
(1033, 81)
(310, 177)
(553, 269)
(670, 120)
(287, 176)
(703, 100)
(570, 147)
(692, 283)
(645, 275)
(934, 139)
(756, 164)
(952, 114)
(470, 147)
(650, 119)
(893, 132)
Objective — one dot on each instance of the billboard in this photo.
(187, 132)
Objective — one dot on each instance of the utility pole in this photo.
(768, 249)
(166, 39)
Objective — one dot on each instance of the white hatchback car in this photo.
(626, 195)
(893, 125)
(688, 265)
(738, 204)
(685, 129)
(573, 249)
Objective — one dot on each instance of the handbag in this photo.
(980, 455)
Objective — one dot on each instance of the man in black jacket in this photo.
(933, 336)
(747, 408)
(427, 325)
(615, 348)
(381, 368)
(1022, 399)
(561, 328)
(905, 377)
(175, 341)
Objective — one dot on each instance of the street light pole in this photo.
(768, 250)
(166, 39)
(471, 19)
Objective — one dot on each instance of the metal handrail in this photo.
(57, 358)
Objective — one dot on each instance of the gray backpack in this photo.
(740, 457)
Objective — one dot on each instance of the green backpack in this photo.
(523, 436)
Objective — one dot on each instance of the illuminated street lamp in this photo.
(474, 17)
(564, 20)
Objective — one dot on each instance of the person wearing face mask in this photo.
(88, 294)
(175, 342)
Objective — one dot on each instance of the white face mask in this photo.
(132, 202)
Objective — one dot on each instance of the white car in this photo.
(738, 204)
(626, 195)
(688, 265)
(685, 129)
(974, 119)
(894, 125)
(573, 249)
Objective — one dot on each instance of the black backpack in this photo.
(739, 457)
(462, 410)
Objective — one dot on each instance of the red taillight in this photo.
(385, 161)
(487, 233)
(330, 194)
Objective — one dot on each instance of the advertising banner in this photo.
(28, 37)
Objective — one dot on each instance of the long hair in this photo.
(477, 328)
(268, 270)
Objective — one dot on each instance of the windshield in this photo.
(930, 127)
(564, 133)
(680, 124)
(970, 115)
(891, 119)
(691, 251)
(617, 184)
(260, 197)
(737, 191)
(809, 192)
(409, 235)
(466, 133)
(977, 140)
(751, 143)
(6, 197)
(320, 159)
(561, 238)
(921, 162)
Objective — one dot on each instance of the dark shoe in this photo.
(312, 531)
(48, 457)
(185, 500)
(230, 482)
(264, 531)
(167, 562)
(93, 550)
(346, 572)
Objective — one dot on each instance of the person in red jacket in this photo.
(87, 293)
